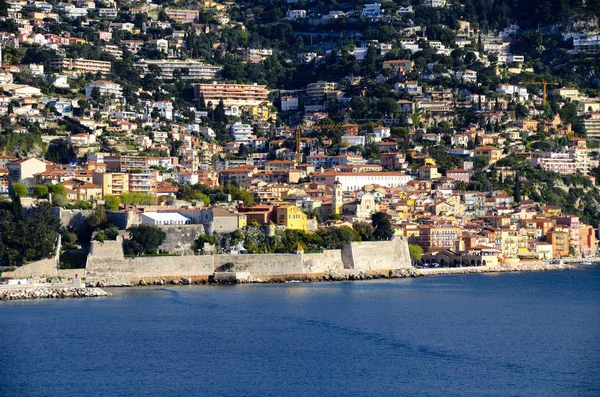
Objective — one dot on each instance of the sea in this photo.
(517, 334)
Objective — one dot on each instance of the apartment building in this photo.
(132, 163)
(232, 94)
(182, 15)
(489, 153)
(353, 181)
(571, 162)
(24, 170)
(296, 14)
(319, 89)
(559, 238)
(80, 65)
(398, 64)
(105, 88)
(113, 50)
(115, 183)
(188, 70)
(242, 133)
(144, 181)
(592, 125)
(438, 236)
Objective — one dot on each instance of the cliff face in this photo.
(106, 263)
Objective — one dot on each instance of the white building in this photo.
(187, 70)
(435, 3)
(353, 181)
(165, 108)
(296, 14)
(105, 87)
(34, 69)
(354, 140)
(289, 103)
(360, 53)
(242, 133)
(381, 132)
(588, 42)
(372, 11)
(160, 218)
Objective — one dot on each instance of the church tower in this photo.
(337, 201)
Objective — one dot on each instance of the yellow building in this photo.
(262, 113)
(489, 153)
(509, 242)
(429, 172)
(291, 217)
(242, 220)
(115, 183)
(214, 5)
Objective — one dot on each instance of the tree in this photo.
(144, 239)
(40, 191)
(382, 225)
(364, 230)
(416, 252)
(219, 113)
(111, 202)
(98, 218)
(18, 190)
(57, 189)
(517, 189)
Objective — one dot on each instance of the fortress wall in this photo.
(180, 238)
(376, 255)
(323, 262)
(39, 269)
(106, 263)
(262, 264)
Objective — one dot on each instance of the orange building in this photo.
(559, 238)
(587, 240)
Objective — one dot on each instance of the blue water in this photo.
(528, 334)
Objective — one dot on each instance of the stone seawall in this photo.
(50, 293)
(106, 264)
(520, 267)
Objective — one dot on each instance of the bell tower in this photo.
(337, 201)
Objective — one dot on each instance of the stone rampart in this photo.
(123, 220)
(376, 255)
(107, 264)
(77, 219)
(39, 269)
(261, 264)
(322, 263)
(180, 238)
(126, 271)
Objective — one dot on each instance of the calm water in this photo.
(488, 335)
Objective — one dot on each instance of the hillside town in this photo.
(473, 141)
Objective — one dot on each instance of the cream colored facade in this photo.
(195, 70)
(81, 65)
(114, 183)
(181, 15)
(233, 94)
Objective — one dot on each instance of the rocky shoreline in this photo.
(50, 293)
